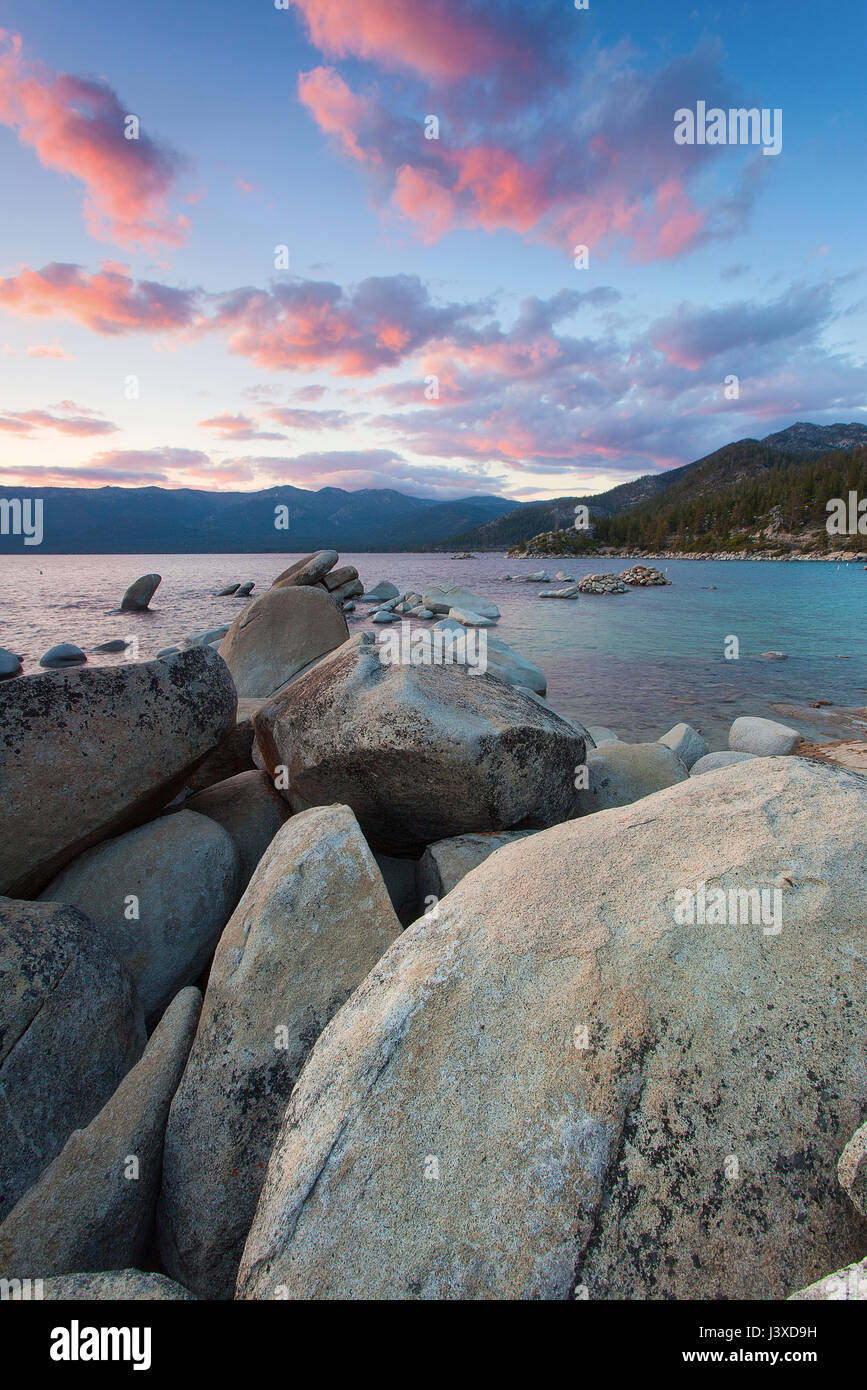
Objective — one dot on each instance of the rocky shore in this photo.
(342, 965)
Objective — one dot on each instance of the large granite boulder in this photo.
(557, 1087)
(852, 1169)
(686, 742)
(763, 737)
(442, 598)
(93, 1207)
(418, 752)
(279, 634)
(619, 773)
(114, 1285)
(843, 1286)
(71, 1026)
(311, 569)
(444, 864)
(250, 809)
(162, 894)
(86, 754)
(314, 920)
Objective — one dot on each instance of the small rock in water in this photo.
(167, 651)
(230, 589)
(308, 571)
(349, 607)
(643, 575)
(117, 644)
(384, 615)
(444, 598)
(382, 590)
(772, 656)
(139, 594)
(10, 664)
(64, 654)
(711, 761)
(467, 619)
(686, 742)
(602, 584)
(764, 737)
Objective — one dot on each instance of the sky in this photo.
(335, 242)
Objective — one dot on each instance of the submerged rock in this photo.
(443, 598)
(382, 591)
(140, 593)
(64, 654)
(10, 664)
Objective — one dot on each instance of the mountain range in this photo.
(151, 520)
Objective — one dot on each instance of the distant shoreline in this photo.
(837, 557)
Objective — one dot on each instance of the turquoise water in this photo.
(638, 662)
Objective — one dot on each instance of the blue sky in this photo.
(412, 259)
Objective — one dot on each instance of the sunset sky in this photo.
(260, 127)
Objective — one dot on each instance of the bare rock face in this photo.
(843, 1286)
(562, 1084)
(419, 752)
(140, 593)
(122, 1285)
(93, 1207)
(444, 864)
(279, 634)
(311, 570)
(71, 1026)
(162, 894)
(852, 1169)
(249, 809)
(620, 773)
(314, 920)
(87, 754)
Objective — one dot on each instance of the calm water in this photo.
(638, 662)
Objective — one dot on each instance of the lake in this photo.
(637, 662)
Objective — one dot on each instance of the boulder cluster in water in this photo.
(385, 980)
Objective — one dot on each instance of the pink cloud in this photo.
(436, 38)
(108, 302)
(421, 198)
(76, 127)
(236, 427)
(52, 349)
(67, 418)
(338, 111)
